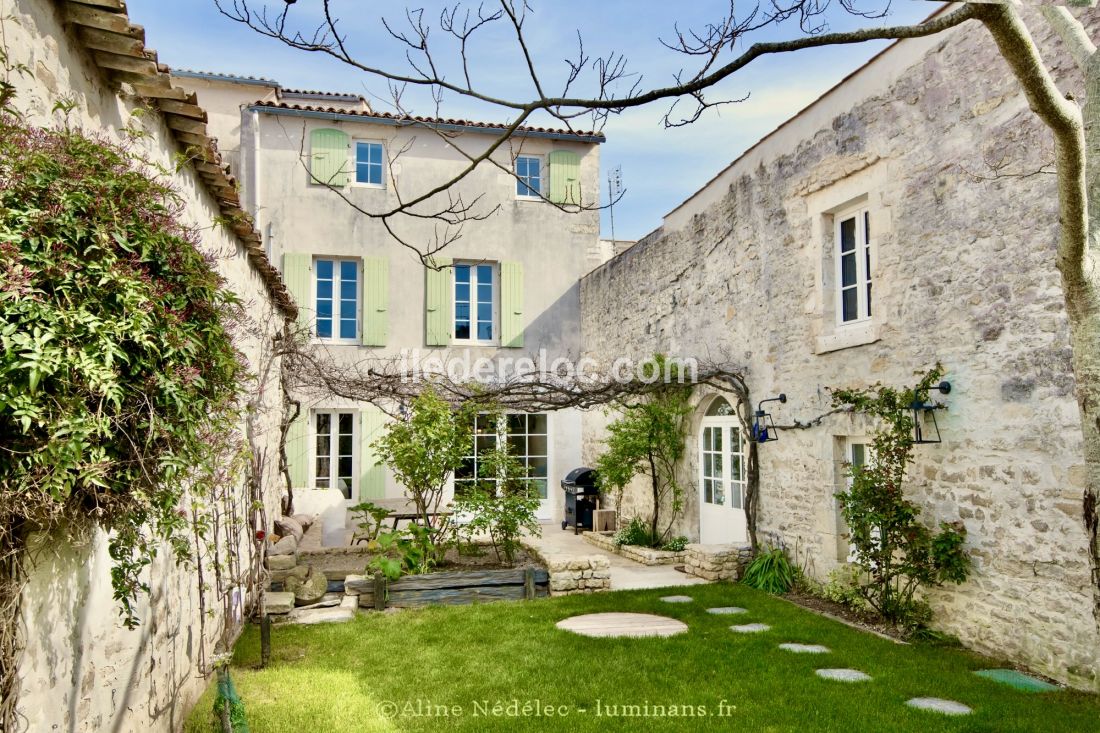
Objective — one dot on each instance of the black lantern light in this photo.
(763, 429)
(921, 411)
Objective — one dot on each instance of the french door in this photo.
(722, 481)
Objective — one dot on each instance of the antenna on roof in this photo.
(614, 190)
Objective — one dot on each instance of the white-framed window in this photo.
(475, 302)
(722, 457)
(369, 163)
(852, 233)
(528, 436)
(336, 299)
(528, 176)
(335, 437)
(857, 452)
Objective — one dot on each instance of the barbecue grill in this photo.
(581, 496)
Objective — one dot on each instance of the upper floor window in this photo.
(337, 299)
(528, 176)
(475, 302)
(853, 258)
(368, 163)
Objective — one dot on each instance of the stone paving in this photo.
(939, 705)
(805, 648)
(626, 574)
(726, 610)
(843, 675)
(622, 624)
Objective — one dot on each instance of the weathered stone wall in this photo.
(81, 670)
(569, 574)
(964, 274)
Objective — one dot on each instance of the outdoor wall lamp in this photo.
(763, 429)
(921, 411)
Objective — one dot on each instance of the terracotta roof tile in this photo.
(412, 119)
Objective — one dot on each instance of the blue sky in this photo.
(660, 168)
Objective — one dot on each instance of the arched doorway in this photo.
(722, 476)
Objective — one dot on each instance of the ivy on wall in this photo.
(118, 375)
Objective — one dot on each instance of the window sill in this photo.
(334, 342)
(528, 198)
(374, 186)
(847, 337)
(483, 344)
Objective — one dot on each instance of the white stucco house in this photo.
(506, 290)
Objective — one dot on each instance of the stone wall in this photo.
(964, 274)
(81, 670)
(643, 555)
(570, 574)
(716, 562)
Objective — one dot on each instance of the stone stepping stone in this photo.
(939, 705)
(320, 615)
(677, 599)
(805, 648)
(843, 675)
(724, 610)
(279, 603)
(750, 628)
(622, 624)
(1016, 679)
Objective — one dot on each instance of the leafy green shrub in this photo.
(373, 516)
(676, 544)
(503, 516)
(842, 587)
(771, 571)
(118, 375)
(636, 532)
(423, 451)
(408, 551)
(898, 554)
(648, 438)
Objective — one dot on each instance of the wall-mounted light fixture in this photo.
(763, 429)
(921, 411)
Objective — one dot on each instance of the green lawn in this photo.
(344, 677)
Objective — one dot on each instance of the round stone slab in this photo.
(842, 675)
(622, 624)
(750, 628)
(939, 705)
(724, 610)
(677, 599)
(805, 648)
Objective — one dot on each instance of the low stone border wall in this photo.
(643, 555)
(570, 574)
(716, 562)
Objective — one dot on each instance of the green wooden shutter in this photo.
(296, 273)
(297, 450)
(376, 300)
(328, 157)
(372, 472)
(565, 177)
(438, 299)
(511, 304)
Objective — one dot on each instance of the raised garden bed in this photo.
(644, 555)
(450, 588)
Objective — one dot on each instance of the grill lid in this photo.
(580, 478)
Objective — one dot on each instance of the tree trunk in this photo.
(656, 497)
(1077, 151)
(1081, 282)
